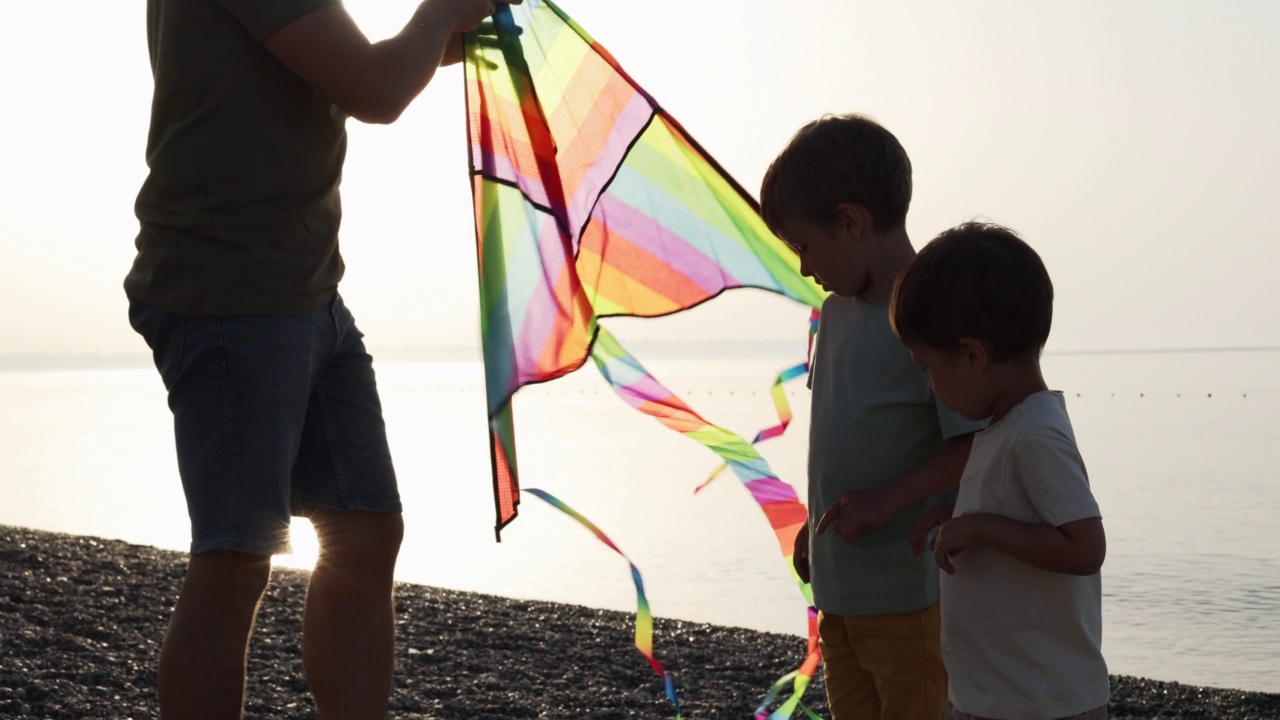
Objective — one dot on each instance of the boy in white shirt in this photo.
(1023, 546)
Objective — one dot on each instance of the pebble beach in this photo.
(81, 621)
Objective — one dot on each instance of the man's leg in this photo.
(240, 389)
(202, 661)
(349, 625)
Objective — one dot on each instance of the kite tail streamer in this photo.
(785, 512)
(779, 398)
(799, 680)
(783, 509)
(644, 617)
(784, 415)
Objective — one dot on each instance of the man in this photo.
(234, 288)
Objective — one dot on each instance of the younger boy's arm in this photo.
(858, 511)
(1075, 548)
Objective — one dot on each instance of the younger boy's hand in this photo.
(954, 536)
(932, 517)
(856, 512)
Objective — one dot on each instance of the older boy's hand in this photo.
(800, 556)
(856, 512)
(954, 536)
(932, 517)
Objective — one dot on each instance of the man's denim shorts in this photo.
(274, 416)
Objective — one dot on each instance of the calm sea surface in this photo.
(1182, 449)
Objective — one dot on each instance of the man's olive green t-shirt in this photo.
(239, 214)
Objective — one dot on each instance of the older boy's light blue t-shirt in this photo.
(874, 418)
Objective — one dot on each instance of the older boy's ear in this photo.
(975, 354)
(854, 218)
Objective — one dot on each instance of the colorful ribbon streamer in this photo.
(644, 617)
(784, 511)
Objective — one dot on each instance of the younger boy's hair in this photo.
(977, 280)
(838, 159)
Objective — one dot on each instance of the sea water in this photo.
(1182, 451)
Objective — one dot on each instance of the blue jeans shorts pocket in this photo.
(164, 333)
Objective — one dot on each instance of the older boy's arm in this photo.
(858, 511)
(1075, 548)
(375, 82)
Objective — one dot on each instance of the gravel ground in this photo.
(81, 620)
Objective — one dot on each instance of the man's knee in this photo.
(359, 538)
(235, 580)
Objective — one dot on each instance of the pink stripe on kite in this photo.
(544, 321)
(670, 248)
(499, 166)
(633, 118)
(649, 388)
(767, 490)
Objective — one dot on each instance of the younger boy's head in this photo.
(980, 281)
(833, 160)
(975, 297)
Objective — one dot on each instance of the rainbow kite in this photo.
(591, 202)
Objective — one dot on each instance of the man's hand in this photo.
(932, 517)
(465, 15)
(856, 512)
(453, 51)
(800, 560)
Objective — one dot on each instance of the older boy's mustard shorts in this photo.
(884, 666)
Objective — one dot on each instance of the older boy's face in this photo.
(826, 256)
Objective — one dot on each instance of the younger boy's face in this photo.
(954, 381)
(827, 256)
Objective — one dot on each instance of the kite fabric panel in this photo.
(590, 202)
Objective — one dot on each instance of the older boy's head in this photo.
(976, 280)
(838, 159)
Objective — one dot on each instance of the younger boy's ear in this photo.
(975, 354)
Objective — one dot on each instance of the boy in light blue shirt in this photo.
(880, 445)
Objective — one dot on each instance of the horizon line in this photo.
(63, 359)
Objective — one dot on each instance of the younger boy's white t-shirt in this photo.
(1020, 642)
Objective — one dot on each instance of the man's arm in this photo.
(858, 511)
(375, 82)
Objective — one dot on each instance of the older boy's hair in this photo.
(838, 159)
(976, 280)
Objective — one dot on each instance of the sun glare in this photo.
(305, 547)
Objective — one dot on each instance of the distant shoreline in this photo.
(51, 362)
(81, 620)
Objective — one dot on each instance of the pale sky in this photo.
(1136, 145)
